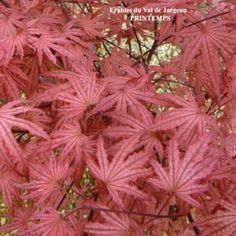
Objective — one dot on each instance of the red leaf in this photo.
(183, 175)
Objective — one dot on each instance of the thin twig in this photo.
(154, 45)
(106, 49)
(195, 228)
(153, 48)
(208, 18)
(64, 195)
(162, 207)
(123, 212)
(91, 213)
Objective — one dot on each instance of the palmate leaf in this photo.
(71, 32)
(13, 79)
(45, 43)
(187, 115)
(221, 223)
(20, 218)
(125, 94)
(8, 120)
(92, 26)
(13, 34)
(47, 181)
(183, 175)
(8, 179)
(133, 126)
(208, 37)
(84, 98)
(73, 141)
(123, 168)
(50, 222)
(114, 225)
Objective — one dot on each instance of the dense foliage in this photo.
(114, 126)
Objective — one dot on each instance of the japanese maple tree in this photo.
(112, 125)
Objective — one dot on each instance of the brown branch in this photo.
(195, 228)
(106, 49)
(82, 9)
(21, 131)
(212, 108)
(154, 45)
(64, 195)
(128, 212)
(91, 213)
(208, 18)
(152, 50)
(137, 38)
(122, 212)
(172, 81)
(162, 208)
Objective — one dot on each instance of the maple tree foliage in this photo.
(115, 126)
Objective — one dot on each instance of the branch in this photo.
(208, 18)
(152, 50)
(173, 81)
(137, 38)
(155, 44)
(106, 49)
(122, 212)
(64, 196)
(91, 213)
(195, 228)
